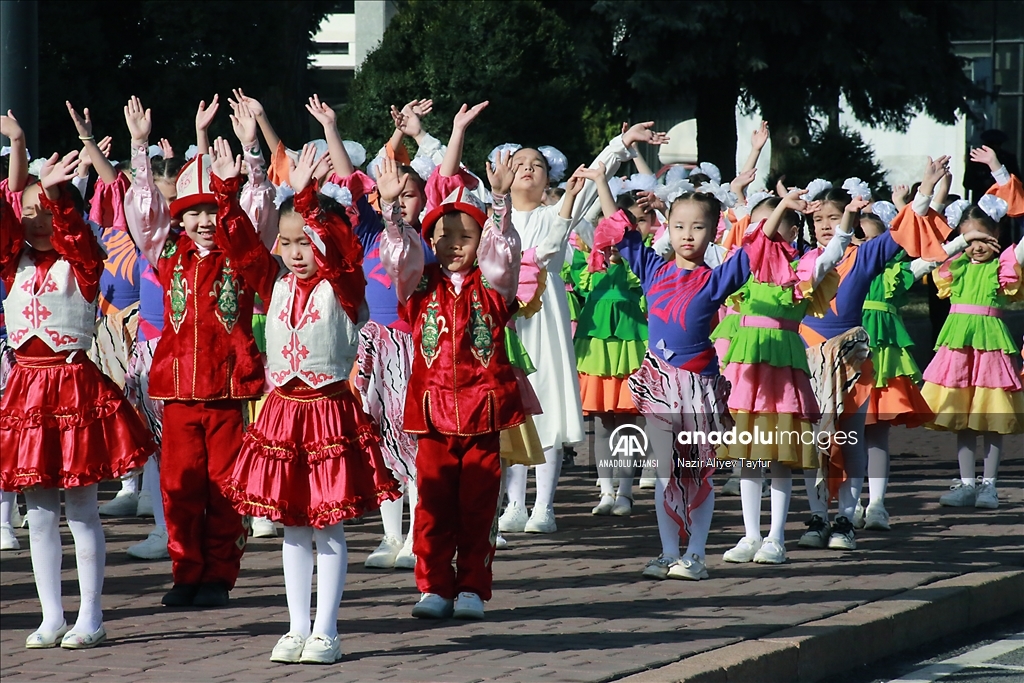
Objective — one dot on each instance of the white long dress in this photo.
(547, 335)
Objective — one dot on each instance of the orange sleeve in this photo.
(1013, 194)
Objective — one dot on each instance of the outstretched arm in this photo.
(17, 171)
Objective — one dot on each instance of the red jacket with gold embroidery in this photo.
(207, 351)
(462, 382)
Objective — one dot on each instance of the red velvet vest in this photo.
(462, 382)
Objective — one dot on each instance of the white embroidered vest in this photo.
(321, 348)
(58, 313)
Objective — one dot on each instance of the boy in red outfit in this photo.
(206, 364)
(462, 391)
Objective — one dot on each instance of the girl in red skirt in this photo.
(312, 460)
(63, 424)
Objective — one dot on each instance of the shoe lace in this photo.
(842, 525)
(816, 523)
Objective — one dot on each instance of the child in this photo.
(972, 383)
(65, 425)
(463, 387)
(204, 367)
(311, 459)
(678, 388)
(767, 366)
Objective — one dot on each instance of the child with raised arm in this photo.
(462, 391)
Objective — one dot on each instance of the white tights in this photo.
(391, 512)
(8, 499)
(83, 518)
(878, 460)
(993, 444)
(547, 481)
(331, 568)
(661, 446)
(750, 495)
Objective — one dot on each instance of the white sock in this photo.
(515, 485)
(413, 495)
(782, 491)
(8, 499)
(993, 450)
(81, 507)
(700, 526)
(44, 544)
(603, 428)
(331, 568)
(878, 460)
(151, 483)
(391, 514)
(297, 557)
(965, 442)
(750, 499)
(130, 485)
(547, 479)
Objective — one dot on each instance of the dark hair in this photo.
(699, 179)
(792, 217)
(165, 169)
(327, 205)
(418, 180)
(712, 207)
(997, 228)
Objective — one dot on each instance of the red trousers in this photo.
(457, 514)
(206, 538)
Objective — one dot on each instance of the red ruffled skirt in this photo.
(312, 458)
(65, 424)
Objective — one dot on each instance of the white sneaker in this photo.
(321, 649)
(731, 487)
(605, 506)
(405, 559)
(744, 550)
(500, 543)
(817, 534)
(648, 482)
(623, 507)
(858, 516)
(960, 495)
(385, 555)
(263, 528)
(771, 552)
(18, 520)
(987, 498)
(468, 606)
(513, 520)
(153, 548)
(842, 537)
(658, 567)
(8, 541)
(691, 568)
(145, 507)
(876, 517)
(542, 521)
(124, 504)
(288, 648)
(432, 606)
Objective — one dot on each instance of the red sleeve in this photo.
(12, 242)
(238, 238)
(107, 209)
(358, 183)
(76, 243)
(341, 264)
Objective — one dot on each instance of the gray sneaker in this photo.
(986, 497)
(658, 567)
(960, 495)
(817, 534)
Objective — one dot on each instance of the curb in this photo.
(838, 644)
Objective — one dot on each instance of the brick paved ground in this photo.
(567, 607)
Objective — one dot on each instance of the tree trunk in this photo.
(716, 123)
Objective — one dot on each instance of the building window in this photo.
(332, 48)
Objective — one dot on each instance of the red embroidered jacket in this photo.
(207, 351)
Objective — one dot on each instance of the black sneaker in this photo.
(213, 594)
(817, 533)
(842, 535)
(181, 595)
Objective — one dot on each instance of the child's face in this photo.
(36, 221)
(294, 246)
(787, 229)
(644, 221)
(978, 251)
(168, 189)
(690, 232)
(871, 229)
(531, 172)
(411, 200)
(200, 223)
(826, 220)
(455, 241)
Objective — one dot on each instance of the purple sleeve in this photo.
(874, 254)
(730, 276)
(642, 260)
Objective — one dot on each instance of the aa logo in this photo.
(628, 442)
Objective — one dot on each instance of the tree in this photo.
(518, 54)
(793, 61)
(172, 55)
(833, 154)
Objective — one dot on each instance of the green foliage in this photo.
(834, 156)
(517, 54)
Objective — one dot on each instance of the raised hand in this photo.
(742, 181)
(321, 112)
(575, 183)
(204, 114)
(82, 123)
(986, 155)
(933, 172)
(420, 107)
(501, 174)
(389, 181)
(900, 195)
(648, 201)
(642, 132)
(225, 166)
(243, 121)
(55, 172)
(466, 115)
(166, 148)
(780, 186)
(858, 204)
(591, 173)
(254, 105)
(303, 172)
(759, 137)
(792, 200)
(104, 146)
(811, 207)
(407, 120)
(979, 236)
(139, 120)
(9, 127)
